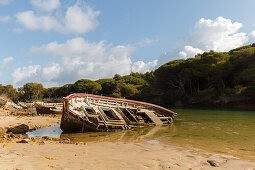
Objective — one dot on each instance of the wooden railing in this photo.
(121, 102)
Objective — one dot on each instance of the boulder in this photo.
(23, 128)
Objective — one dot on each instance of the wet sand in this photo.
(64, 154)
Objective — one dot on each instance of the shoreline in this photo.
(103, 152)
(233, 106)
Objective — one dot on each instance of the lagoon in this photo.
(225, 132)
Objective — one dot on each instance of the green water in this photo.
(223, 132)
(227, 132)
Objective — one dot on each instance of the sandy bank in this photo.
(60, 154)
(108, 155)
(34, 122)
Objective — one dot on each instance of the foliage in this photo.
(206, 77)
(109, 86)
(86, 86)
(31, 91)
(128, 90)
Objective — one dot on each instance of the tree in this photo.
(109, 86)
(86, 86)
(128, 90)
(31, 91)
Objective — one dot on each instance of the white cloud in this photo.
(46, 5)
(50, 72)
(80, 20)
(30, 21)
(220, 34)
(80, 59)
(77, 20)
(252, 37)
(25, 73)
(189, 51)
(142, 67)
(37, 73)
(5, 2)
(6, 18)
(7, 60)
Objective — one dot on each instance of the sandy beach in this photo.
(51, 153)
(107, 155)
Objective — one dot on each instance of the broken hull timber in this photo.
(87, 112)
(48, 108)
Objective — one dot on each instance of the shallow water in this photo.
(224, 132)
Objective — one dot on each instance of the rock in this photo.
(47, 138)
(19, 129)
(213, 163)
(2, 131)
(11, 135)
(23, 141)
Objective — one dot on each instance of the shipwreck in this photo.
(87, 112)
(48, 108)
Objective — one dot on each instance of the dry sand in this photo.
(34, 122)
(107, 155)
(50, 154)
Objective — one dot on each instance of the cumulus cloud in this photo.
(30, 21)
(46, 5)
(189, 51)
(220, 34)
(80, 20)
(77, 19)
(252, 37)
(6, 18)
(5, 2)
(25, 73)
(51, 71)
(81, 59)
(7, 60)
(143, 67)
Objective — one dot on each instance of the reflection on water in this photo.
(226, 132)
(53, 131)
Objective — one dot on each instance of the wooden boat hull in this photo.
(44, 109)
(85, 112)
(71, 123)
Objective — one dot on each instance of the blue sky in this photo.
(56, 42)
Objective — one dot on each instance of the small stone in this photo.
(41, 142)
(47, 138)
(11, 136)
(213, 163)
(23, 141)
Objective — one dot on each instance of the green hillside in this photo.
(208, 79)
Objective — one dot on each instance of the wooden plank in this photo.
(153, 117)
